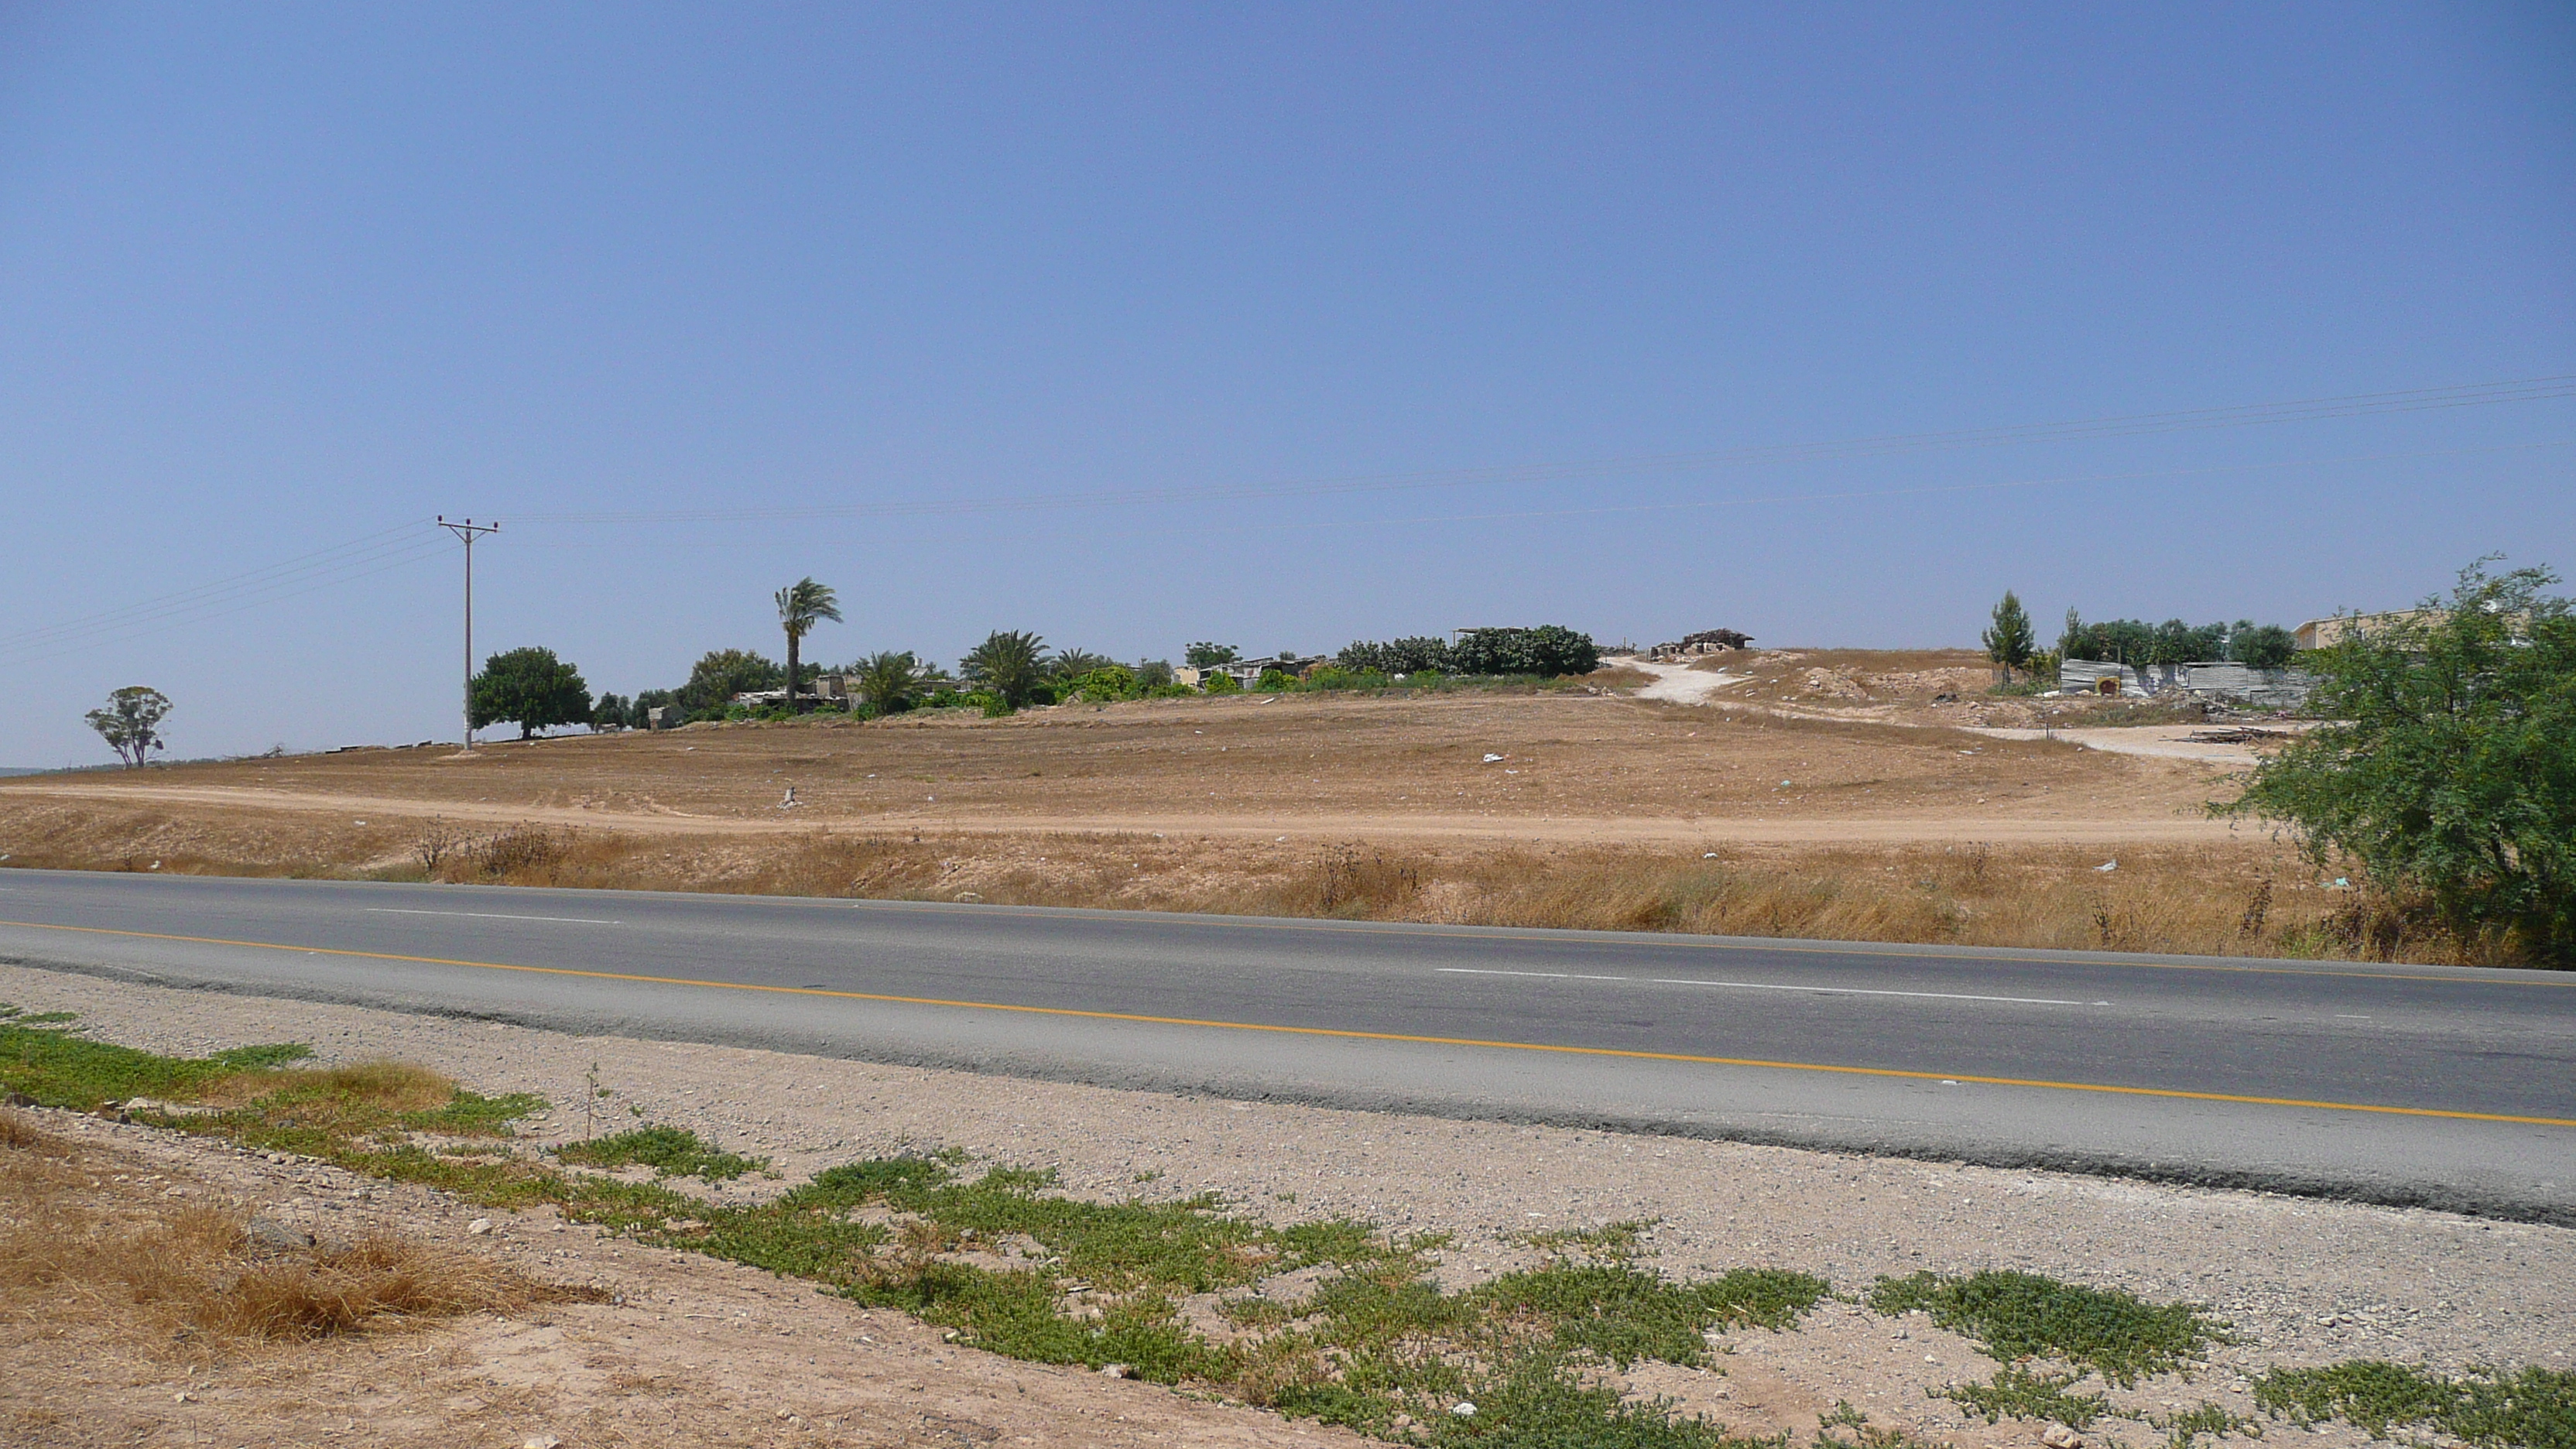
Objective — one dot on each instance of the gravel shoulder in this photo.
(2305, 1282)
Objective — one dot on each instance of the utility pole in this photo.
(468, 530)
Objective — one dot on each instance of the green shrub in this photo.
(2532, 1409)
(673, 1151)
(2015, 1315)
(2449, 767)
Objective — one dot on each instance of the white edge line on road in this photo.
(487, 916)
(1770, 986)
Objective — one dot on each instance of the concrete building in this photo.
(2210, 679)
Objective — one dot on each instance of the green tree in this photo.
(1105, 684)
(1075, 663)
(1549, 649)
(720, 674)
(802, 605)
(2261, 646)
(2449, 767)
(1204, 655)
(130, 722)
(639, 711)
(1153, 673)
(530, 688)
(890, 679)
(2009, 639)
(1009, 664)
(610, 712)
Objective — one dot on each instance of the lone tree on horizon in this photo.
(2009, 641)
(530, 688)
(131, 722)
(802, 605)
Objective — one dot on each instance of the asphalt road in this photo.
(2428, 1086)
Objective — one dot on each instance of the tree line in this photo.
(2013, 643)
(1010, 670)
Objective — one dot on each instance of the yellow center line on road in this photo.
(1342, 1033)
(1574, 939)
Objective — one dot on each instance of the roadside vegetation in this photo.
(2447, 770)
(1331, 1319)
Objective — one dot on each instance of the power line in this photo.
(327, 568)
(1730, 501)
(400, 546)
(2491, 394)
(466, 531)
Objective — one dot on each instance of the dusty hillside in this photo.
(1594, 767)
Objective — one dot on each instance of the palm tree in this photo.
(1074, 663)
(1008, 663)
(802, 605)
(888, 678)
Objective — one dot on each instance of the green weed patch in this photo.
(672, 1151)
(59, 1068)
(2015, 1315)
(2532, 1409)
(2018, 1393)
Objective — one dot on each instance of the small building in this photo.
(1246, 672)
(2218, 679)
(2327, 633)
(1706, 641)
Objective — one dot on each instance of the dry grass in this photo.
(83, 1246)
(2240, 899)
(19, 1134)
(376, 1086)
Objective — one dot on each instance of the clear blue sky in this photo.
(273, 278)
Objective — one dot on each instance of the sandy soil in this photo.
(693, 1351)
(1570, 767)
(708, 1354)
(1680, 683)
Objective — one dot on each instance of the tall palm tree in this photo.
(1008, 663)
(802, 605)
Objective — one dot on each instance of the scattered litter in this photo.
(791, 801)
(2107, 867)
(1493, 759)
(1463, 1409)
(357, 822)
(478, 1227)
(1283, 840)
(2340, 884)
(1119, 1370)
(1712, 855)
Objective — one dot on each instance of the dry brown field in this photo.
(1855, 812)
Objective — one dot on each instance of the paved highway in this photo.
(2415, 1085)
